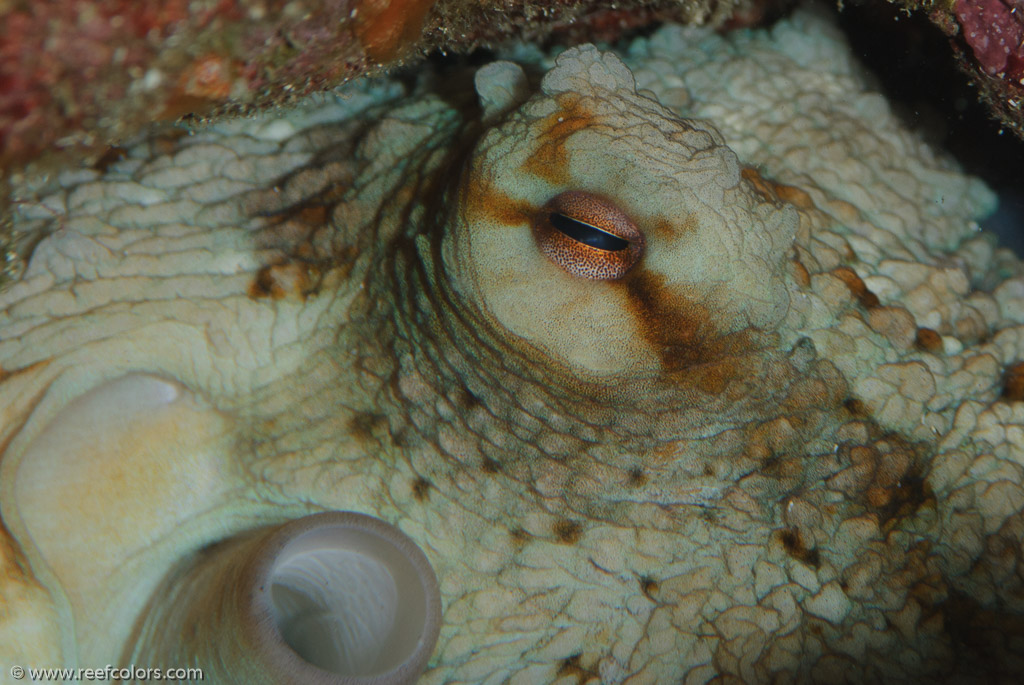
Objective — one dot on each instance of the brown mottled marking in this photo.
(649, 586)
(314, 215)
(669, 230)
(550, 160)
(902, 499)
(856, 286)
(895, 323)
(844, 211)
(637, 477)
(803, 277)
(928, 340)
(571, 666)
(568, 532)
(364, 424)
(111, 155)
(793, 542)
(855, 406)
(278, 281)
(421, 489)
(885, 476)
(665, 452)
(683, 334)
(754, 178)
(931, 588)
(518, 535)
(794, 196)
(777, 192)
(263, 285)
(466, 399)
(400, 438)
(486, 203)
(770, 443)
(848, 253)
(1013, 382)
(490, 465)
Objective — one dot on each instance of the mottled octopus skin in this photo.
(785, 447)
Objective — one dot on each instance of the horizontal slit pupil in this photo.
(587, 234)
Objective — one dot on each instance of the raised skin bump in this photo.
(138, 448)
(742, 460)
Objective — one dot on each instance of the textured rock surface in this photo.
(994, 31)
(77, 76)
(988, 39)
(787, 445)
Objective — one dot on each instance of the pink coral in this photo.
(995, 31)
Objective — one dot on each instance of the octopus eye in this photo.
(583, 232)
(588, 236)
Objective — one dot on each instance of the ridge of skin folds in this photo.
(784, 437)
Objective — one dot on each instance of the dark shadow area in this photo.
(916, 70)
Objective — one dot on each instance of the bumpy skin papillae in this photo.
(777, 448)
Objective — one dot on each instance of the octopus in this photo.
(685, 363)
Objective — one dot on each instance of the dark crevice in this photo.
(914, 64)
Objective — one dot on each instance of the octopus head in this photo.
(609, 233)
